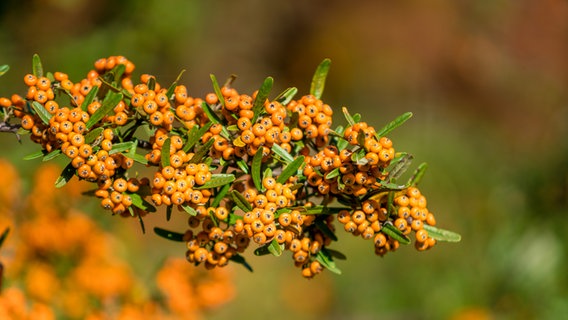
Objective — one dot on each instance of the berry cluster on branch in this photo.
(249, 170)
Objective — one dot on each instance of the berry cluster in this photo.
(246, 168)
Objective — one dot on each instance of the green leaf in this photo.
(240, 201)
(418, 174)
(217, 180)
(212, 116)
(52, 155)
(90, 97)
(41, 112)
(325, 259)
(202, 152)
(220, 195)
(173, 86)
(290, 170)
(37, 67)
(170, 235)
(3, 69)
(139, 158)
(359, 157)
(34, 155)
(393, 124)
(109, 103)
(165, 154)
(325, 229)
(255, 169)
(282, 153)
(357, 117)
(152, 83)
(4, 236)
(189, 210)
(318, 80)
(336, 254)
(394, 233)
(118, 71)
(92, 135)
(139, 220)
(140, 203)
(122, 147)
(441, 234)
(261, 96)
(217, 90)
(332, 174)
(168, 212)
(194, 135)
(399, 166)
(272, 247)
(348, 117)
(286, 96)
(66, 175)
(243, 166)
(237, 258)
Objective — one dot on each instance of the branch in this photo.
(12, 128)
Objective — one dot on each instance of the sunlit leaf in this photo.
(441, 234)
(92, 135)
(318, 80)
(220, 195)
(122, 147)
(348, 116)
(189, 210)
(89, 98)
(243, 166)
(286, 96)
(217, 89)
(272, 247)
(110, 102)
(41, 112)
(394, 233)
(217, 180)
(34, 155)
(194, 135)
(393, 124)
(172, 88)
(261, 96)
(255, 169)
(140, 203)
(165, 154)
(418, 174)
(282, 153)
(170, 235)
(290, 170)
(240, 201)
(52, 155)
(66, 175)
(325, 259)
(332, 174)
(37, 67)
(3, 69)
(399, 166)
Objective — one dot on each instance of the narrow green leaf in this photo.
(348, 117)
(41, 112)
(173, 86)
(139, 220)
(318, 80)
(240, 201)
(168, 212)
(152, 83)
(325, 229)
(357, 117)
(441, 234)
(118, 71)
(272, 247)
(66, 175)
(90, 97)
(282, 153)
(122, 147)
(92, 135)
(212, 116)
(359, 157)
(139, 158)
(220, 195)
(287, 95)
(52, 155)
(336, 254)
(37, 67)
(194, 135)
(290, 170)
(34, 155)
(140, 203)
(202, 152)
(4, 236)
(170, 235)
(217, 90)
(325, 259)
(255, 169)
(3, 69)
(217, 180)
(237, 258)
(243, 166)
(418, 174)
(394, 233)
(111, 100)
(399, 166)
(261, 96)
(165, 154)
(189, 210)
(233, 218)
(332, 174)
(393, 124)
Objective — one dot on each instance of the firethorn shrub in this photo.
(248, 170)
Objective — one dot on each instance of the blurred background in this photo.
(486, 81)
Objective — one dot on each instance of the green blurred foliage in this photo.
(486, 82)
